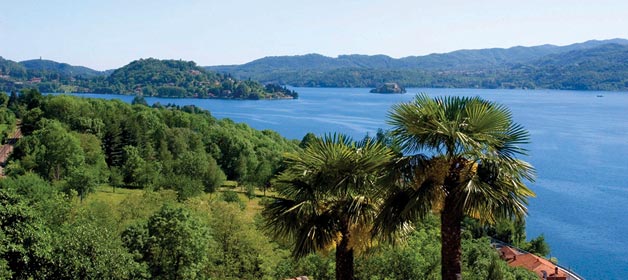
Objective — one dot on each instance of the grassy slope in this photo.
(113, 198)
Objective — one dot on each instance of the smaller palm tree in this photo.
(326, 197)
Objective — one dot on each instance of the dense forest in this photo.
(147, 77)
(128, 191)
(592, 65)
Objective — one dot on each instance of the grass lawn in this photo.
(106, 194)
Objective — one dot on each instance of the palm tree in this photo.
(460, 160)
(326, 197)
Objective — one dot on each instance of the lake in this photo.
(579, 148)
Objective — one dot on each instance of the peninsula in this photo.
(146, 77)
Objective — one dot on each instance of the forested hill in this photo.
(540, 66)
(45, 69)
(42, 67)
(149, 77)
(176, 78)
(12, 68)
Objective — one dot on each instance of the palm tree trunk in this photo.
(344, 257)
(451, 248)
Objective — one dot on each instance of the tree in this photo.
(470, 168)
(202, 167)
(86, 250)
(139, 100)
(24, 242)
(326, 197)
(239, 250)
(51, 150)
(173, 244)
(137, 172)
(538, 246)
(4, 99)
(83, 180)
(307, 139)
(94, 156)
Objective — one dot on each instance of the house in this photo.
(543, 268)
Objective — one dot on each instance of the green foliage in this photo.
(146, 147)
(200, 167)
(139, 173)
(505, 230)
(481, 261)
(185, 187)
(7, 118)
(417, 258)
(48, 68)
(144, 235)
(41, 196)
(51, 151)
(25, 245)
(176, 79)
(315, 266)
(472, 169)
(82, 180)
(138, 207)
(29, 185)
(167, 227)
(250, 191)
(94, 156)
(173, 244)
(328, 197)
(230, 196)
(240, 250)
(509, 231)
(148, 77)
(538, 246)
(139, 100)
(594, 65)
(307, 140)
(86, 250)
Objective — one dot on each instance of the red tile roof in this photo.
(533, 263)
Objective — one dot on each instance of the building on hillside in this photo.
(543, 268)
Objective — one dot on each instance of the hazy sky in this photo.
(108, 34)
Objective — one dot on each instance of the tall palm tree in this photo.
(326, 197)
(460, 160)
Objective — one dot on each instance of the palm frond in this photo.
(326, 187)
(315, 234)
(481, 143)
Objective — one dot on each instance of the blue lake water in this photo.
(579, 148)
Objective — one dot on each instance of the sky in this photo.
(110, 34)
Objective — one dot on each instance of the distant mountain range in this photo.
(591, 65)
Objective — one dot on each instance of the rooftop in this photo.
(542, 267)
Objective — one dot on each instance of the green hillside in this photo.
(176, 78)
(42, 67)
(149, 77)
(591, 65)
(11, 68)
(545, 66)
